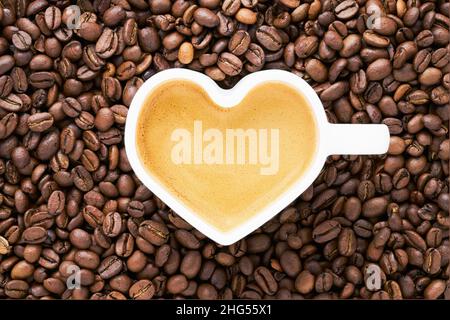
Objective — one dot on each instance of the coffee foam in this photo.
(226, 194)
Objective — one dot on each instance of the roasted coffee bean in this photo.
(346, 9)
(176, 284)
(42, 79)
(326, 231)
(52, 17)
(239, 42)
(40, 122)
(206, 17)
(87, 259)
(6, 63)
(6, 85)
(378, 70)
(316, 70)
(306, 46)
(34, 235)
(269, 38)
(110, 267)
(21, 40)
(4, 246)
(136, 209)
(265, 280)
(16, 289)
(229, 64)
(69, 197)
(186, 53)
(82, 178)
(255, 55)
(112, 224)
(11, 103)
(107, 44)
(187, 239)
(142, 290)
(154, 232)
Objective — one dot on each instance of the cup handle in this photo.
(358, 139)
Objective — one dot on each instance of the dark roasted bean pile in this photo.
(75, 223)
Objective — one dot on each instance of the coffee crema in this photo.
(226, 164)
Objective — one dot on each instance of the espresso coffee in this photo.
(226, 163)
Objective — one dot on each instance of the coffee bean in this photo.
(206, 291)
(113, 16)
(176, 284)
(258, 243)
(333, 40)
(265, 280)
(206, 17)
(40, 122)
(378, 70)
(415, 240)
(246, 16)
(326, 231)
(110, 267)
(306, 46)
(335, 91)
(16, 289)
(124, 245)
(6, 63)
(87, 259)
(6, 85)
(53, 17)
(374, 207)
(82, 178)
(430, 76)
(435, 289)
(11, 103)
(351, 45)
(187, 239)
(255, 55)
(130, 32)
(142, 290)
(136, 209)
(69, 196)
(229, 64)
(34, 235)
(432, 261)
(324, 282)
(239, 42)
(347, 242)
(4, 246)
(154, 232)
(107, 44)
(346, 9)
(112, 224)
(21, 40)
(230, 7)
(80, 239)
(304, 283)
(269, 38)
(291, 263)
(385, 26)
(42, 79)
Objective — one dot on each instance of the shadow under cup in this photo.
(226, 164)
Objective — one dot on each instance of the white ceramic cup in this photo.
(332, 139)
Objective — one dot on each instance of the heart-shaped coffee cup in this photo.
(360, 139)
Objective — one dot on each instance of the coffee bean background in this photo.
(70, 201)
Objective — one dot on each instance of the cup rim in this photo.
(227, 98)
